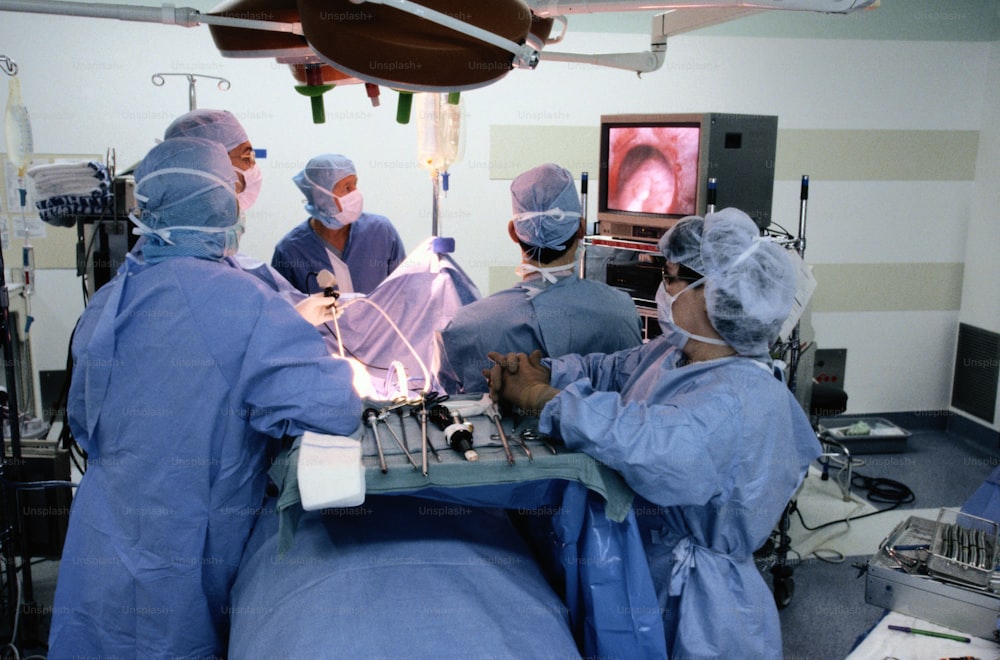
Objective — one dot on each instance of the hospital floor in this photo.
(827, 613)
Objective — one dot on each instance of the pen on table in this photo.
(930, 633)
(921, 546)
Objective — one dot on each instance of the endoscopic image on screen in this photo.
(653, 169)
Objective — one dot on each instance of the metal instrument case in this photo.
(887, 585)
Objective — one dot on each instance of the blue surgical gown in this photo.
(374, 249)
(572, 315)
(183, 371)
(714, 450)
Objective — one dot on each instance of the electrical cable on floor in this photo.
(880, 490)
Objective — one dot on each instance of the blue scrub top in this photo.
(374, 249)
(183, 372)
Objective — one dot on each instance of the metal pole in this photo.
(800, 244)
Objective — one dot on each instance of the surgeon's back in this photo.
(572, 315)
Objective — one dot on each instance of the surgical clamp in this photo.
(529, 434)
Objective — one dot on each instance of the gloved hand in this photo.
(521, 380)
(317, 308)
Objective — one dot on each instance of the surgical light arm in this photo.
(552, 8)
(642, 62)
(166, 14)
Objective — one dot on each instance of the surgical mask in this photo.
(350, 204)
(673, 333)
(253, 178)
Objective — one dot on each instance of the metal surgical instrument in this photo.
(457, 432)
(494, 414)
(382, 417)
(371, 418)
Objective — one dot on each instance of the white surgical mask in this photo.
(252, 178)
(351, 206)
(673, 333)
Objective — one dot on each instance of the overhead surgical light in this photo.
(440, 46)
(434, 46)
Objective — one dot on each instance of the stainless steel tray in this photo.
(964, 549)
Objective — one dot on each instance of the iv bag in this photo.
(440, 132)
(17, 129)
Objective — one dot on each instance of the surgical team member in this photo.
(360, 248)
(223, 127)
(698, 425)
(184, 370)
(552, 309)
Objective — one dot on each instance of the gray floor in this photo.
(828, 614)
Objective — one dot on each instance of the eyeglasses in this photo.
(684, 274)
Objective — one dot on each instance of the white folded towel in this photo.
(330, 471)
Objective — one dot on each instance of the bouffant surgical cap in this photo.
(749, 281)
(216, 125)
(546, 206)
(184, 186)
(322, 173)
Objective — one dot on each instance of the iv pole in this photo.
(11, 535)
(800, 247)
(159, 81)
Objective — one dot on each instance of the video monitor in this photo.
(653, 169)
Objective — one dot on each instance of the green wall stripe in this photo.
(829, 155)
(888, 287)
(514, 149)
(877, 155)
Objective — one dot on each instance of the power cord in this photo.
(883, 491)
(879, 489)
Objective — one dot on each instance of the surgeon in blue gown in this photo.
(698, 425)
(184, 370)
(552, 309)
(361, 249)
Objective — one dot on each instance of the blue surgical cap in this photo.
(323, 172)
(215, 125)
(186, 183)
(547, 187)
(749, 281)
